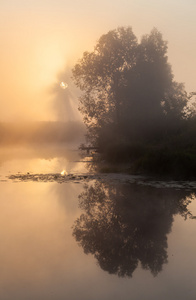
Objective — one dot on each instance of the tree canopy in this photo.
(127, 85)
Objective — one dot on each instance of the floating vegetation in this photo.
(51, 177)
(110, 178)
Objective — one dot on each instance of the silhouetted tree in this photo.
(100, 74)
(127, 86)
(122, 226)
(191, 107)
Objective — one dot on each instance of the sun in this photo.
(63, 85)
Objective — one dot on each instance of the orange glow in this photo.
(63, 85)
(38, 39)
(64, 172)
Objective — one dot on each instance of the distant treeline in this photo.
(41, 132)
(134, 111)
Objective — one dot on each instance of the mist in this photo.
(39, 102)
(36, 133)
(66, 126)
(39, 38)
(65, 96)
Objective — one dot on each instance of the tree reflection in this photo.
(124, 225)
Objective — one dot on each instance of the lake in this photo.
(92, 238)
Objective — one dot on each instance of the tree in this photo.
(100, 75)
(127, 86)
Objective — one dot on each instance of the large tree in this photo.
(127, 86)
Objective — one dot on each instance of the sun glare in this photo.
(64, 172)
(63, 85)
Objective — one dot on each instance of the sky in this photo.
(41, 40)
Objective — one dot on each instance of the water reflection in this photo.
(125, 226)
(40, 159)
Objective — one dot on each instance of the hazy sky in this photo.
(39, 38)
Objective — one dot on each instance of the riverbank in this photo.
(177, 163)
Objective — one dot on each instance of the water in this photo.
(91, 239)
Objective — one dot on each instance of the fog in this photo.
(38, 40)
(36, 133)
(66, 126)
(41, 43)
(65, 98)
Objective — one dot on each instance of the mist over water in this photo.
(68, 232)
(66, 128)
(33, 133)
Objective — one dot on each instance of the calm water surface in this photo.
(91, 241)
